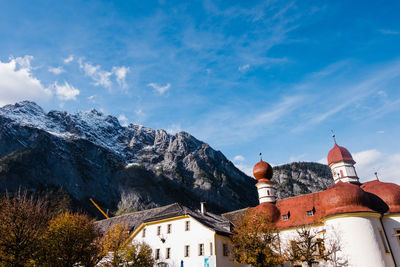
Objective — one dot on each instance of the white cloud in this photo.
(160, 89)
(380, 132)
(120, 73)
(123, 119)
(57, 70)
(69, 59)
(92, 98)
(174, 128)
(245, 168)
(371, 161)
(389, 32)
(99, 76)
(66, 91)
(102, 77)
(244, 68)
(17, 82)
(238, 158)
(323, 161)
(297, 157)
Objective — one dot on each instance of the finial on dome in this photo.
(333, 136)
(260, 156)
(376, 175)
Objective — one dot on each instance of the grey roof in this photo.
(133, 220)
(233, 216)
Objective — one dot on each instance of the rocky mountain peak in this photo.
(89, 154)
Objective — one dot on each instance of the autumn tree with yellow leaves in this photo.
(70, 240)
(256, 241)
(121, 252)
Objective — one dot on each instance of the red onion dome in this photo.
(344, 198)
(267, 210)
(262, 170)
(339, 153)
(388, 192)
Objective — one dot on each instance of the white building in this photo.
(363, 218)
(180, 236)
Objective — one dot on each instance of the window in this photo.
(211, 248)
(320, 246)
(268, 192)
(187, 226)
(168, 253)
(383, 239)
(397, 234)
(157, 256)
(225, 249)
(186, 252)
(341, 173)
(201, 249)
(285, 217)
(158, 230)
(311, 212)
(169, 228)
(144, 232)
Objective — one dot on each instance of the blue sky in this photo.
(244, 76)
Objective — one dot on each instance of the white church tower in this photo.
(342, 165)
(262, 171)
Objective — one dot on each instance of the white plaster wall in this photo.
(360, 241)
(263, 189)
(391, 222)
(177, 240)
(347, 169)
(224, 261)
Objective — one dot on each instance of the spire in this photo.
(263, 173)
(333, 136)
(260, 156)
(376, 175)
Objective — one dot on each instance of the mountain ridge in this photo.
(90, 154)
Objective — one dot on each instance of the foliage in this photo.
(70, 239)
(135, 255)
(309, 247)
(114, 246)
(256, 242)
(23, 220)
(114, 239)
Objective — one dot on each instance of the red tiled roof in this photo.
(337, 199)
(339, 153)
(388, 192)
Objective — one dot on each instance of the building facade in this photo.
(363, 220)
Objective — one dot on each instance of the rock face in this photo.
(300, 178)
(89, 154)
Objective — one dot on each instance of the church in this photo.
(363, 218)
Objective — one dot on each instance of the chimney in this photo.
(203, 207)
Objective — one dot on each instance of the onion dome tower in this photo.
(262, 171)
(342, 165)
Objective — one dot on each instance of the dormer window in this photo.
(286, 216)
(311, 212)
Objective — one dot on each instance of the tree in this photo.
(309, 246)
(256, 241)
(70, 239)
(118, 252)
(115, 238)
(23, 219)
(135, 255)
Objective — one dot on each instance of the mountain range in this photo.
(126, 168)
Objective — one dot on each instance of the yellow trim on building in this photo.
(354, 214)
(142, 225)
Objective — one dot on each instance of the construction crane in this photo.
(97, 206)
